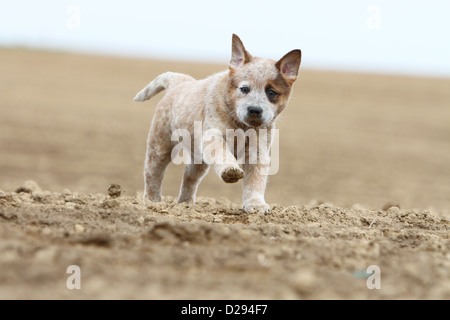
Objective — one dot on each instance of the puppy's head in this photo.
(259, 89)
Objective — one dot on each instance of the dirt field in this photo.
(351, 147)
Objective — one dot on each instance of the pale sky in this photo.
(387, 36)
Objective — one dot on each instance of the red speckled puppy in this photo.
(250, 95)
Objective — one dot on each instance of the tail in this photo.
(162, 82)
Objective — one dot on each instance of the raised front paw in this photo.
(232, 174)
(257, 208)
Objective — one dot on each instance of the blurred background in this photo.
(368, 122)
(403, 36)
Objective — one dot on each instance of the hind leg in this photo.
(192, 176)
(154, 170)
(157, 158)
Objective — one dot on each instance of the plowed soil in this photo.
(363, 180)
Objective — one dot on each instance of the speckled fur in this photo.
(219, 103)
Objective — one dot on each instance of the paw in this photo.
(257, 208)
(232, 174)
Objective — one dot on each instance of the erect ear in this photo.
(239, 56)
(289, 64)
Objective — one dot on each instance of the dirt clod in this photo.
(29, 186)
(114, 190)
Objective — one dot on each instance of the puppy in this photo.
(250, 95)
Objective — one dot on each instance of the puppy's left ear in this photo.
(290, 64)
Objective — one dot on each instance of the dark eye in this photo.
(245, 90)
(271, 94)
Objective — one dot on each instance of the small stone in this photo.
(79, 228)
(70, 205)
(109, 203)
(393, 210)
(114, 190)
(389, 205)
(39, 196)
(74, 199)
(304, 281)
(263, 261)
(325, 205)
(29, 186)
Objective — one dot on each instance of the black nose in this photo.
(254, 111)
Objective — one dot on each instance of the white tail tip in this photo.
(141, 96)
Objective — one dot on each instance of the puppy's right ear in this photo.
(239, 56)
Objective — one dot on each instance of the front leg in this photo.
(254, 187)
(216, 154)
